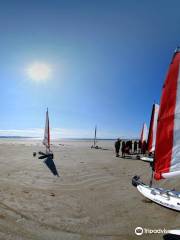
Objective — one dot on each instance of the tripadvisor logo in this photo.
(139, 231)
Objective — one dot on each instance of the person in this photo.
(139, 146)
(130, 146)
(144, 147)
(126, 151)
(117, 147)
(123, 149)
(135, 147)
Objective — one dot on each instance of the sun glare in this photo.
(39, 71)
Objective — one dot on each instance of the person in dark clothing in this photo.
(127, 144)
(117, 147)
(144, 147)
(139, 146)
(135, 146)
(126, 147)
(130, 146)
(123, 149)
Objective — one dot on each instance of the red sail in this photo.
(167, 152)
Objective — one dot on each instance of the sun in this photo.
(39, 71)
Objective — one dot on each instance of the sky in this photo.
(108, 62)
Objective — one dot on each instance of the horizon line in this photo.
(69, 138)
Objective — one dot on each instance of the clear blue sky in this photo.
(109, 62)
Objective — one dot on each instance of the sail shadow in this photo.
(50, 164)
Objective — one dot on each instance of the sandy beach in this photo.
(92, 199)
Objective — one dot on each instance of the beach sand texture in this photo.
(92, 199)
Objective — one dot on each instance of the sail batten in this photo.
(171, 174)
(167, 152)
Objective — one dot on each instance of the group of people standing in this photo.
(129, 147)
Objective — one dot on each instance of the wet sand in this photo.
(92, 199)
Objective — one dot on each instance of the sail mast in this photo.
(48, 130)
(95, 131)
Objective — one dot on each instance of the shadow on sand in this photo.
(171, 237)
(101, 148)
(129, 157)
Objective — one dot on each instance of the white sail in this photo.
(144, 133)
(46, 140)
(153, 128)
